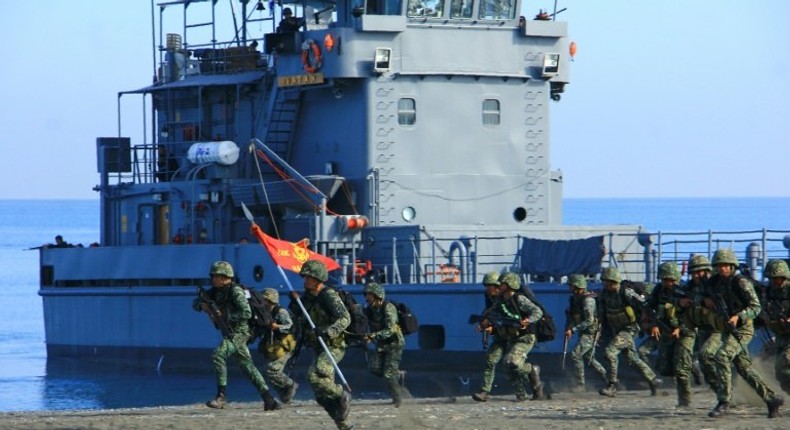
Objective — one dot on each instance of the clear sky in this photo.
(668, 98)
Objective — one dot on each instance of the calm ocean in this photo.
(28, 381)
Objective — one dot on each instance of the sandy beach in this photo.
(630, 410)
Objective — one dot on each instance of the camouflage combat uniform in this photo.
(331, 318)
(582, 318)
(616, 312)
(693, 329)
(236, 311)
(277, 346)
(386, 334)
(729, 345)
(778, 309)
(517, 341)
(496, 349)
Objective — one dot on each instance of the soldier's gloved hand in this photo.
(196, 304)
(294, 295)
(319, 332)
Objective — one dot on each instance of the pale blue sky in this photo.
(668, 98)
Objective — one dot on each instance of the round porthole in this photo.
(408, 213)
(520, 214)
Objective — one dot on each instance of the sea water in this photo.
(29, 381)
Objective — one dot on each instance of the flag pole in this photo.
(250, 218)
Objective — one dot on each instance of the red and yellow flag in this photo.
(288, 255)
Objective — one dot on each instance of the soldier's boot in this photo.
(343, 407)
(773, 406)
(480, 396)
(395, 391)
(719, 410)
(696, 372)
(270, 403)
(654, 383)
(289, 393)
(610, 390)
(537, 386)
(684, 400)
(219, 401)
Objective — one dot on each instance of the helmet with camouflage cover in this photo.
(271, 295)
(699, 262)
(725, 256)
(221, 268)
(777, 269)
(491, 278)
(611, 274)
(510, 279)
(375, 289)
(669, 270)
(577, 281)
(314, 269)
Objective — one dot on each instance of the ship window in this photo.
(426, 8)
(461, 8)
(407, 112)
(491, 112)
(497, 9)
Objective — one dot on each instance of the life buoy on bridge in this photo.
(311, 49)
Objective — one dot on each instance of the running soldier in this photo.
(693, 326)
(515, 313)
(331, 318)
(582, 318)
(227, 302)
(616, 311)
(735, 305)
(277, 345)
(388, 338)
(496, 349)
(668, 330)
(777, 303)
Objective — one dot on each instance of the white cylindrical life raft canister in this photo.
(225, 153)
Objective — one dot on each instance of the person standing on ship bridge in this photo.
(234, 310)
(735, 305)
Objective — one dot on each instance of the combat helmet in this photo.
(510, 279)
(777, 269)
(725, 256)
(611, 274)
(669, 270)
(314, 269)
(577, 281)
(699, 262)
(491, 278)
(375, 289)
(221, 268)
(271, 295)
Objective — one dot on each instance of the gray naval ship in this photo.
(408, 140)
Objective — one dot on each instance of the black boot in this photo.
(610, 390)
(343, 406)
(720, 410)
(269, 402)
(773, 406)
(654, 383)
(219, 401)
(537, 386)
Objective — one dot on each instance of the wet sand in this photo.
(630, 410)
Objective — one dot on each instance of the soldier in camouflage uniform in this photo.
(386, 334)
(277, 345)
(616, 312)
(648, 343)
(693, 327)
(233, 307)
(331, 318)
(675, 345)
(777, 303)
(497, 348)
(735, 305)
(516, 312)
(582, 317)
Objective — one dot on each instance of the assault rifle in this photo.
(776, 313)
(211, 308)
(722, 310)
(495, 320)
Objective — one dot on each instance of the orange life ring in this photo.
(311, 65)
(449, 273)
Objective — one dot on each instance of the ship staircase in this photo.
(283, 108)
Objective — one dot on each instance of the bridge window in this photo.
(426, 8)
(491, 112)
(407, 112)
(497, 9)
(461, 8)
